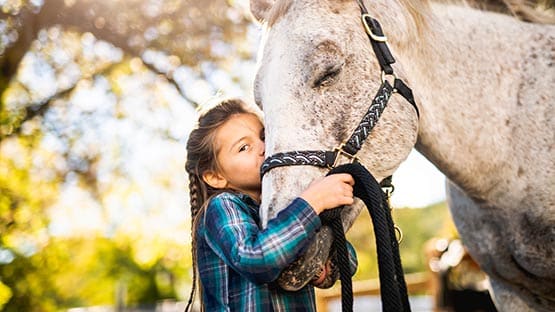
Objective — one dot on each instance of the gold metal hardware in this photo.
(369, 31)
(340, 152)
(399, 233)
(388, 190)
(384, 78)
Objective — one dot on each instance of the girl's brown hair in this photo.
(201, 157)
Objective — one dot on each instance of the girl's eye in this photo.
(262, 136)
(243, 148)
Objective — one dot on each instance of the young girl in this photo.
(236, 259)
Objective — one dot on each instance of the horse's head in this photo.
(317, 77)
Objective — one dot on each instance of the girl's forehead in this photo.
(246, 120)
(236, 127)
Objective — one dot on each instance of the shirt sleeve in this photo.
(258, 254)
(353, 261)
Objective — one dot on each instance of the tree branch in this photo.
(40, 109)
(11, 58)
(171, 80)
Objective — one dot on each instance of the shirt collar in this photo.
(248, 200)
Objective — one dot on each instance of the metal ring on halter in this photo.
(339, 151)
(388, 190)
(399, 232)
(369, 30)
(384, 76)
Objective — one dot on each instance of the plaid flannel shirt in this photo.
(238, 260)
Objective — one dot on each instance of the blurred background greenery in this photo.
(418, 226)
(96, 100)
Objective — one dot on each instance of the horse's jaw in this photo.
(282, 185)
(279, 188)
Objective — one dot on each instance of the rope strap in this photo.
(393, 292)
(332, 218)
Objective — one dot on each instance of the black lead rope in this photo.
(393, 289)
(332, 218)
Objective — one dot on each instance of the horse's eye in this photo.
(328, 76)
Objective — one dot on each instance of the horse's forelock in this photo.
(279, 9)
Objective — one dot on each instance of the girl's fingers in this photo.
(348, 200)
(346, 178)
(347, 189)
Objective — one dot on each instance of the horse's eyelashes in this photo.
(327, 78)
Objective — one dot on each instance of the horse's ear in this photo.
(260, 8)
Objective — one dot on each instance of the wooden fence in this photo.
(417, 283)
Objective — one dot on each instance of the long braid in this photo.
(197, 193)
(196, 197)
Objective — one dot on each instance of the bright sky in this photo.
(417, 183)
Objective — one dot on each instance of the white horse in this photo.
(484, 83)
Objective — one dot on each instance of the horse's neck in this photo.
(470, 80)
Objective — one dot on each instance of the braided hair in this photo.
(201, 157)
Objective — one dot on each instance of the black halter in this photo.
(350, 148)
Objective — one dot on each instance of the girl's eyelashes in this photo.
(262, 135)
(243, 147)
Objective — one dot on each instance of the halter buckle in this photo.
(372, 35)
(340, 152)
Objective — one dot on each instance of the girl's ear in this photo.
(260, 9)
(214, 179)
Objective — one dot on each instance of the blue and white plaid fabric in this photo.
(238, 260)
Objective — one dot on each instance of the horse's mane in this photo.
(538, 11)
(535, 11)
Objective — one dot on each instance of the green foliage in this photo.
(25, 190)
(90, 271)
(418, 226)
(5, 295)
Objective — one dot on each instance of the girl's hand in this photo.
(329, 192)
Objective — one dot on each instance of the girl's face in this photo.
(240, 153)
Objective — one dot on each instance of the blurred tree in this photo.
(96, 98)
(89, 271)
(188, 33)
